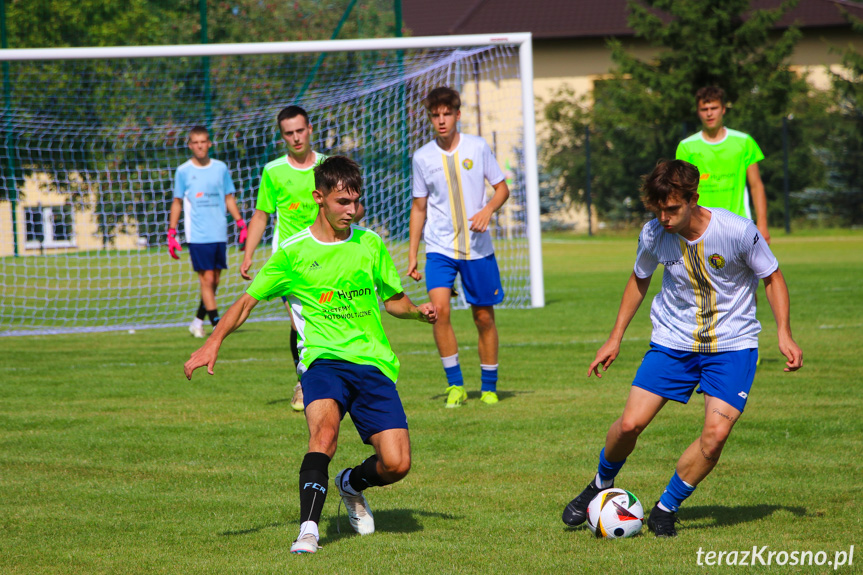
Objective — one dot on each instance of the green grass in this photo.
(111, 462)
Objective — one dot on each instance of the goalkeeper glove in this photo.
(173, 244)
(243, 231)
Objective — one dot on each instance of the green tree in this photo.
(640, 113)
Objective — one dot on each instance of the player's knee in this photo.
(713, 439)
(483, 320)
(631, 427)
(395, 467)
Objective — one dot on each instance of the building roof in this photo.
(577, 18)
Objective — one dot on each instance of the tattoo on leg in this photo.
(728, 417)
(707, 457)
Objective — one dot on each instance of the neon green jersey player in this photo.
(728, 162)
(333, 273)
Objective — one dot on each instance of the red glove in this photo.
(243, 231)
(173, 244)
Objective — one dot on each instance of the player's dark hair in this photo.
(710, 94)
(291, 112)
(199, 131)
(442, 96)
(337, 171)
(669, 178)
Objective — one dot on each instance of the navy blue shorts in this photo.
(479, 278)
(209, 256)
(361, 390)
(673, 374)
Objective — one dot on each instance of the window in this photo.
(50, 227)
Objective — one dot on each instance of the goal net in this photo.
(92, 137)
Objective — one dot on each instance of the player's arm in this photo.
(633, 295)
(479, 221)
(173, 222)
(257, 225)
(419, 207)
(759, 199)
(777, 294)
(233, 318)
(231, 204)
(401, 306)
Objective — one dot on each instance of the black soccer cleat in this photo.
(662, 522)
(576, 512)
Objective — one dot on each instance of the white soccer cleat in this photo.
(297, 399)
(308, 543)
(359, 512)
(196, 330)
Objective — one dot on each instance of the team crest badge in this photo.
(468, 164)
(717, 262)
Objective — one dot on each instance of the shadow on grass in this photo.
(386, 521)
(501, 395)
(251, 529)
(724, 516)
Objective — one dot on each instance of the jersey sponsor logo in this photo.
(704, 176)
(294, 206)
(669, 263)
(327, 297)
(199, 195)
(717, 262)
(468, 164)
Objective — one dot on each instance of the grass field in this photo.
(111, 462)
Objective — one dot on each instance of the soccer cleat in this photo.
(359, 512)
(489, 397)
(456, 396)
(196, 330)
(575, 513)
(297, 399)
(308, 543)
(662, 522)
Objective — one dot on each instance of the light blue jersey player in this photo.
(705, 334)
(449, 200)
(203, 190)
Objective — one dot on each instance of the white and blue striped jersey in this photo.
(454, 183)
(203, 191)
(707, 300)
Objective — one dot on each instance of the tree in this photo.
(640, 113)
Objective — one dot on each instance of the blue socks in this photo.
(675, 493)
(607, 470)
(488, 376)
(452, 369)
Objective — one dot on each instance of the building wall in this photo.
(39, 190)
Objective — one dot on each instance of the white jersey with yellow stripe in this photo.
(454, 183)
(707, 300)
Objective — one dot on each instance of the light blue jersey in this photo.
(203, 192)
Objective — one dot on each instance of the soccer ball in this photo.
(615, 513)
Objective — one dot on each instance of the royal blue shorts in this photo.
(361, 390)
(208, 256)
(674, 374)
(479, 278)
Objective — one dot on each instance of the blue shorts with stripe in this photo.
(209, 256)
(674, 374)
(479, 278)
(361, 390)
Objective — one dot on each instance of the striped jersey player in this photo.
(449, 199)
(705, 334)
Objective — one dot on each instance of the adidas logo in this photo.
(315, 266)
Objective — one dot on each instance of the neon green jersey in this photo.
(333, 290)
(723, 169)
(287, 191)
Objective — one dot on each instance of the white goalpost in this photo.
(92, 136)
